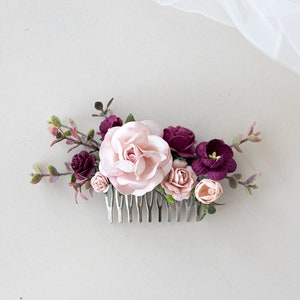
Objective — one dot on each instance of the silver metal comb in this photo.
(150, 206)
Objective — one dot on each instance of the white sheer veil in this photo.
(273, 26)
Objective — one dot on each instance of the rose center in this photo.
(214, 156)
(132, 154)
(182, 176)
(211, 191)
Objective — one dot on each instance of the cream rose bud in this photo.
(208, 190)
(180, 181)
(99, 183)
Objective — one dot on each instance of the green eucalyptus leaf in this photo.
(109, 103)
(73, 178)
(130, 118)
(90, 134)
(67, 133)
(96, 155)
(52, 170)
(211, 209)
(36, 178)
(170, 199)
(238, 176)
(159, 189)
(176, 156)
(59, 135)
(54, 120)
(37, 168)
(237, 141)
(98, 105)
(233, 182)
(249, 191)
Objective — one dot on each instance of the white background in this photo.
(58, 57)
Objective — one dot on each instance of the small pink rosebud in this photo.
(99, 183)
(254, 138)
(53, 129)
(207, 191)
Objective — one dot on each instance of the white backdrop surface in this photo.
(58, 57)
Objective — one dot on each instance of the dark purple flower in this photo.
(181, 140)
(83, 165)
(107, 123)
(215, 159)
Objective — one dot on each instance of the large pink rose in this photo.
(180, 181)
(134, 157)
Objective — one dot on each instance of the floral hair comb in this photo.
(138, 163)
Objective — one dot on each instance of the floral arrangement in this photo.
(138, 157)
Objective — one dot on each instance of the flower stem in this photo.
(94, 147)
(82, 134)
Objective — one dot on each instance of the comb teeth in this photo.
(156, 207)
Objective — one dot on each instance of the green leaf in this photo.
(90, 134)
(98, 105)
(52, 170)
(238, 176)
(249, 191)
(170, 199)
(233, 183)
(211, 209)
(96, 155)
(36, 178)
(67, 133)
(54, 120)
(176, 156)
(130, 118)
(109, 103)
(37, 168)
(73, 178)
(159, 189)
(237, 141)
(59, 135)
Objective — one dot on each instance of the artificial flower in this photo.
(180, 181)
(215, 159)
(83, 165)
(99, 183)
(135, 157)
(108, 123)
(181, 140)
(207, 191)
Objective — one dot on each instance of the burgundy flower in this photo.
(181, 140)
(215, 159)
(83, 165)
(108, 123)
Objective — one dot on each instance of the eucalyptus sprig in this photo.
(249, 184)
(102, 111)
(251, 137)
(52, 173)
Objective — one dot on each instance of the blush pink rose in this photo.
(180, 181)
(134, 157)
(99, 183)
(208, 190)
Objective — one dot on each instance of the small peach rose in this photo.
(180, 181)
(99, 183)
(208, 190)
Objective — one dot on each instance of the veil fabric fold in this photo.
(272, 26)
